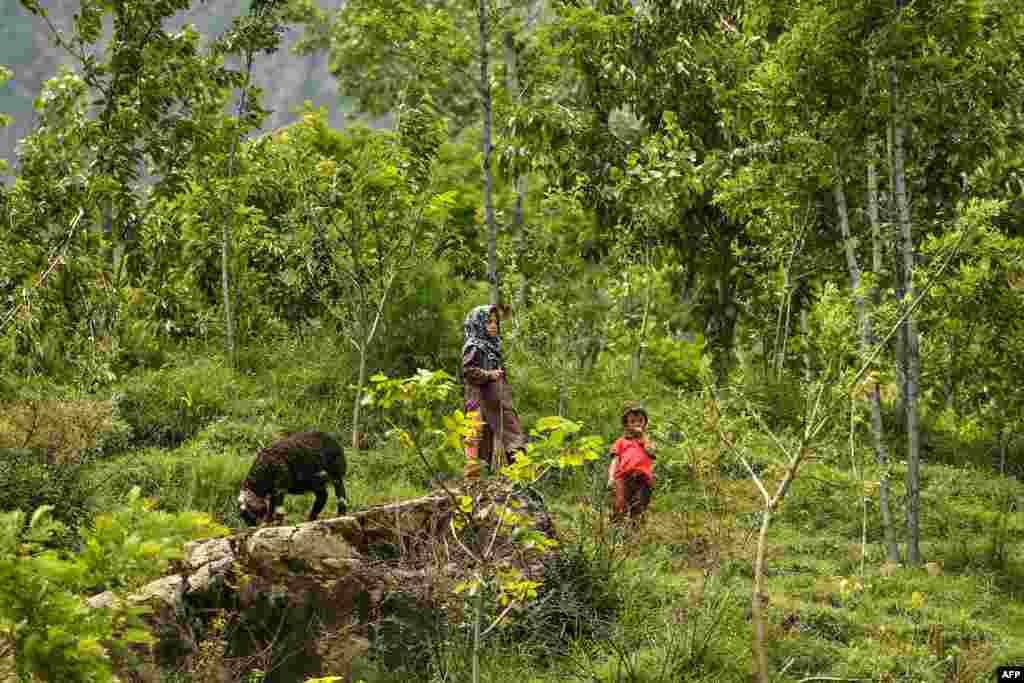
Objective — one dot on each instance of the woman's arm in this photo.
(471, 370)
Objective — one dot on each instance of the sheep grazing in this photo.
(298, 463)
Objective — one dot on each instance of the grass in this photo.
(686, 578)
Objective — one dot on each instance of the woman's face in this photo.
(492, 325)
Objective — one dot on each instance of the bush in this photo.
(678, 360)
(165, 407)
(30, 478)
(428, 311)
(52, 634)
(180, 481)
(68, 428)
(239, 436)
(399, 640)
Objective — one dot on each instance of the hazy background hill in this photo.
(27, 49)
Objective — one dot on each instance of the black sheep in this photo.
(299, 463)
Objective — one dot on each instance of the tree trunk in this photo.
(230, 345)
(723, 320)
(518, 227)
(357, 405)
(759, 597)
(363, 347)
(892, 549)
(782, 324)
(563, 397)
(485, 96)
(759, 602)
(805, 333)
(913, 360)
(478, 615)
(639, 350)
(225, 281)
(1004, 445)
(901, 334)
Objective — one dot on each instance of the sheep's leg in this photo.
(275, 512)
(320, 490)
(339, 493)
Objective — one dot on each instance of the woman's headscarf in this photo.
(475, 330)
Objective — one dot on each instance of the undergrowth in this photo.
(670, 602)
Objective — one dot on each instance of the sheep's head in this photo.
(253, 509)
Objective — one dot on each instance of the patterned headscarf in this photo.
(475, 330)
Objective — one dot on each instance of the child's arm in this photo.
(611, 466)
(649, 447)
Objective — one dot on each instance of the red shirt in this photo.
(632, 457)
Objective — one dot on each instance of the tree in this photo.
(129, 129)
(370, 213)
(255, 33)
(800, 107)
(411, 50)
(610, 83)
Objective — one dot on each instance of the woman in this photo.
(487, 392)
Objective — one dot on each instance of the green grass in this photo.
(703, 520)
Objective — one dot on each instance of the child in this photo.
(631, 469)
(487, 391)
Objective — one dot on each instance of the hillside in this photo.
(668, 603)
(27, 49)
(793, 232)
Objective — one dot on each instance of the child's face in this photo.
(492, 325)
(635, 423)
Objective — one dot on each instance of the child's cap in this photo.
(633, 407)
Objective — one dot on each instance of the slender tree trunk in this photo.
(230, 342)
(358, 403)
(363, 348)
(913, 359)
(759, 596)
(723, 321)
(485, 96)
(638, 352)
(478, 615)
(225, 282)
(518, 227)
(782, 324)
(805, 333)
(898, 282)
(892, 549)
(948, 382)
(759, 602)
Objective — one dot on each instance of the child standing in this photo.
(487, 391)
(631, 470)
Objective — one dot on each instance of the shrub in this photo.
(428, 310)
(52, 633)
(134, 543)
(179, 481)
(165, 407)
(678, 360)
(30, 478)
(66, 428)
(238, 436)
(398, 639)
(577, 600)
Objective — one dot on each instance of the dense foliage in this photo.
(794, 228)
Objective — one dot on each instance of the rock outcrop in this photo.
(309, 596)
